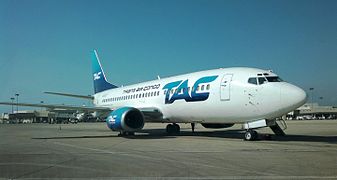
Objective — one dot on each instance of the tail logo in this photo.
(97, 76)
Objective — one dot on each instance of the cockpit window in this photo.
(252, 81)
(274, 79)
(262, 80)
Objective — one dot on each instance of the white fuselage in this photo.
(229, 98)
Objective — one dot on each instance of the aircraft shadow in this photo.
(75, 137)
(306, 138)
(239, 134)
(228, 134)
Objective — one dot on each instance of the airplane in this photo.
(217, 98)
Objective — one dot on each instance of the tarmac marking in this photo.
(161, 159)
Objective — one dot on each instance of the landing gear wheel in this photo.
(250, 135)
(125, 133)
(169, 129)
(176, 128)
(173, 128)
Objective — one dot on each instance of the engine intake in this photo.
(127, 119)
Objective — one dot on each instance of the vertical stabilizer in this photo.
(100, 82)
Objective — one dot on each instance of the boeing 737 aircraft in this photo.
(216, 98)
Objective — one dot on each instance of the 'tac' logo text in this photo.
(181, 91)
(97, 75)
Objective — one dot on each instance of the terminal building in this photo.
(38, 116)
(314, 111)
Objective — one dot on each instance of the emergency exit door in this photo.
(225, 87)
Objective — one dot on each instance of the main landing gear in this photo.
(173, 128)
(192, 126)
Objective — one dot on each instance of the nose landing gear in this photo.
(250, 135)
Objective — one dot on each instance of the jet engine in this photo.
(216, 125)
(126, 119)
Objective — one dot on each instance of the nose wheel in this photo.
(173, 128)
(250, 135)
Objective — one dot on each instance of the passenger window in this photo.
(202, 87)
(252, 81)
(207, 87)
(262, 80)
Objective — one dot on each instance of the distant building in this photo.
(4, 118)
(42, 116)
(314, 111)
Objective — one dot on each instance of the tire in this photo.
(250, 135)
(176, 128)
(169, 129)
(173, 129)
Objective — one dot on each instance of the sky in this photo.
(45, 45)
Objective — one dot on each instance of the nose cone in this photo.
(292, 96)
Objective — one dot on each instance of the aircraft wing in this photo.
(71, 95)
(65, 107)
(152, 114)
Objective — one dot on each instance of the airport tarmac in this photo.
(92, 151)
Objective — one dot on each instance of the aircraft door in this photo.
(225, 87)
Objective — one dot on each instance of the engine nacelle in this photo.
(216, 126)
(127, 119)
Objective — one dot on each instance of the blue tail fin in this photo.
(100, 82)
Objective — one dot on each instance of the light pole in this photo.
(321, 98)
(17, 102)
(41, 104)
(312, 98)
(12, 104)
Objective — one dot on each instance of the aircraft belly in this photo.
(202, 112)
